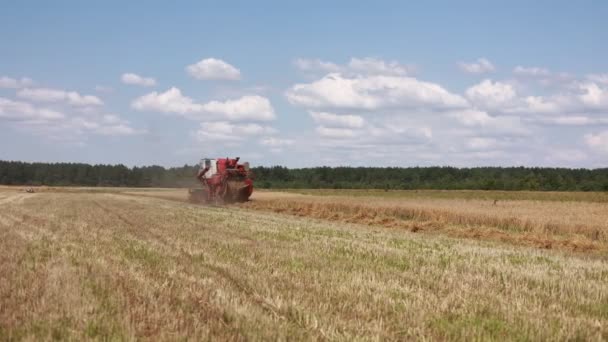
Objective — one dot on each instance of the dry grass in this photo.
(115, 266)
(577, 226)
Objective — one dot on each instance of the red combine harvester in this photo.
(224, 180)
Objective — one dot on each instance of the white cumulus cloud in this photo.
(171, 101)
(276, 142)
(544, 105)
(568, 155)
(12, 83)
(500, 98)
(594, 96)
(372, 92)
(488, 94)
(227, 131)
(356, 66)
(315, 65)
(598, 78)
(597, 141)
(480, 66)
(131, 78)
(481, 143)
(58, 95)
(120, 129)
(531, 71)
(543, 76)
(375, 66)
(213, 69)
(249, 107)
(571, 120)
(329, 132)
(335, 120)
(67, 125)
(480, 121)
(23, 111)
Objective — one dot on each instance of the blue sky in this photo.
(472, 83)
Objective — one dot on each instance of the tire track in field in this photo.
(215, 269)
(136, 229)
(17, 198)
(255, 298)
(25, 223)
(240, 285)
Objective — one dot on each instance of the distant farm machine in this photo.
(223, 180)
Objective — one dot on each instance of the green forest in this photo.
(279, 177)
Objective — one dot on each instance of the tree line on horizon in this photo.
(279, 177)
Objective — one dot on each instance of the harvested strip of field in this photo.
(111, 266)
(576, 226)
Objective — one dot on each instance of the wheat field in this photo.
(126, 264)
(580, 225)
